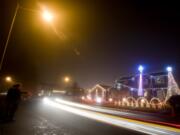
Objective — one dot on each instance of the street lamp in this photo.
(8, 79)
(66, 79)
(48, 17)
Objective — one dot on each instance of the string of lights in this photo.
(135, 89)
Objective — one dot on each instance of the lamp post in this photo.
(9, 35)
(47, 16)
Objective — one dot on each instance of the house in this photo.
(106, 92)
(99, 90)
(116, 94)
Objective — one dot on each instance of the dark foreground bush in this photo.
(174, 102)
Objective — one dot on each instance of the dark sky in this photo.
(103, 40)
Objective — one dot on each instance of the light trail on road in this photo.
(106, 110)
(152, 129)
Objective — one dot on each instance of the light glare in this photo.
(142, 100)
(66, 79)
(8, 79)
(45, 100)
(169, 69)
(110, 99)
(98, 100)
(141, 68)
(124, 99)
(82, 97)
(47, 16)
(89, 97)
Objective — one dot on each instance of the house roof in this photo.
(104, 86)
(145, 75)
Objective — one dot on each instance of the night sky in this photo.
(98, 40)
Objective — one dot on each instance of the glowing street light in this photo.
(47, 16)
(169, 69)
(8, 79)
(66, 79)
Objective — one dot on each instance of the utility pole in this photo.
(9, 36)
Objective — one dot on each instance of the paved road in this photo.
(35, 118)
(61, 117)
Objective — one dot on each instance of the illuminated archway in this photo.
(132, 101)
(156, 103)
(142, 102)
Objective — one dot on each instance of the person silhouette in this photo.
(12, 101)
